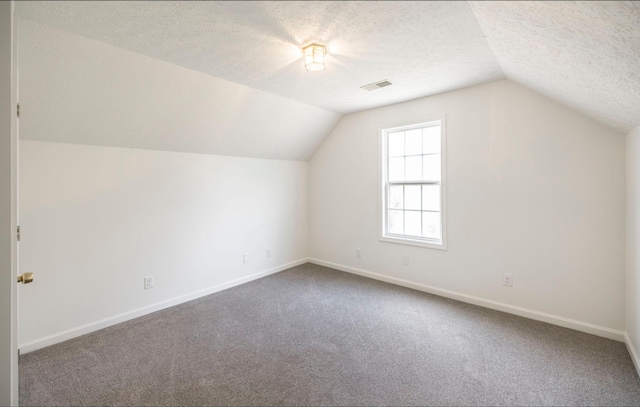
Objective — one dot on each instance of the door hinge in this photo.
(18, 110)
(18, 233)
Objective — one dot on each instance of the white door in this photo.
(8, 208)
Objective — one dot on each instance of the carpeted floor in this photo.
(315, 336)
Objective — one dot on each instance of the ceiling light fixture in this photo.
(314, 57)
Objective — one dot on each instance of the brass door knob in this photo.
(25, 278)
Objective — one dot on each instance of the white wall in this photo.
(8, 145)
(96, 220)
(633, 241)
(96, 217)
(534, 189)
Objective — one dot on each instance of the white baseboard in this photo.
(527, 313)
(511, 309)
(116, 319)
(632, 352)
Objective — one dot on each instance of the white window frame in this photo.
(384, 187)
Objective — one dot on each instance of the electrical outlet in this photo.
(245, 258)
(358, 252)
(507, 279)
(268, 252)
(405, 260)
(148, 282)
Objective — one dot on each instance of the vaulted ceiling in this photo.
(583, 54)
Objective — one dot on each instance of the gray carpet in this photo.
(315, 336)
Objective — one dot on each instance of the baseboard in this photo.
(632, 352)
(107, 322)
(511, 309)
(527, 313)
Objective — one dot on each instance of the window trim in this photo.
(382, 185)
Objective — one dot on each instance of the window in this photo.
(413, 184)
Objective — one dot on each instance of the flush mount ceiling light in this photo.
(314, 57)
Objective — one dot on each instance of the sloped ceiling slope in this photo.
(583, 54)
(422, 47)
(77, 90)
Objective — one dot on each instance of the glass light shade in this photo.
(314, 57)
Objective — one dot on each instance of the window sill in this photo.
(412, 242)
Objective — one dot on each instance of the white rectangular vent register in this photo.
(376, 85)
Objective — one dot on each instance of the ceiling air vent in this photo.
(376, 85)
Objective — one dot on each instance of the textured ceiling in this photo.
(81, 91)
(422, 47)
(583, 54)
